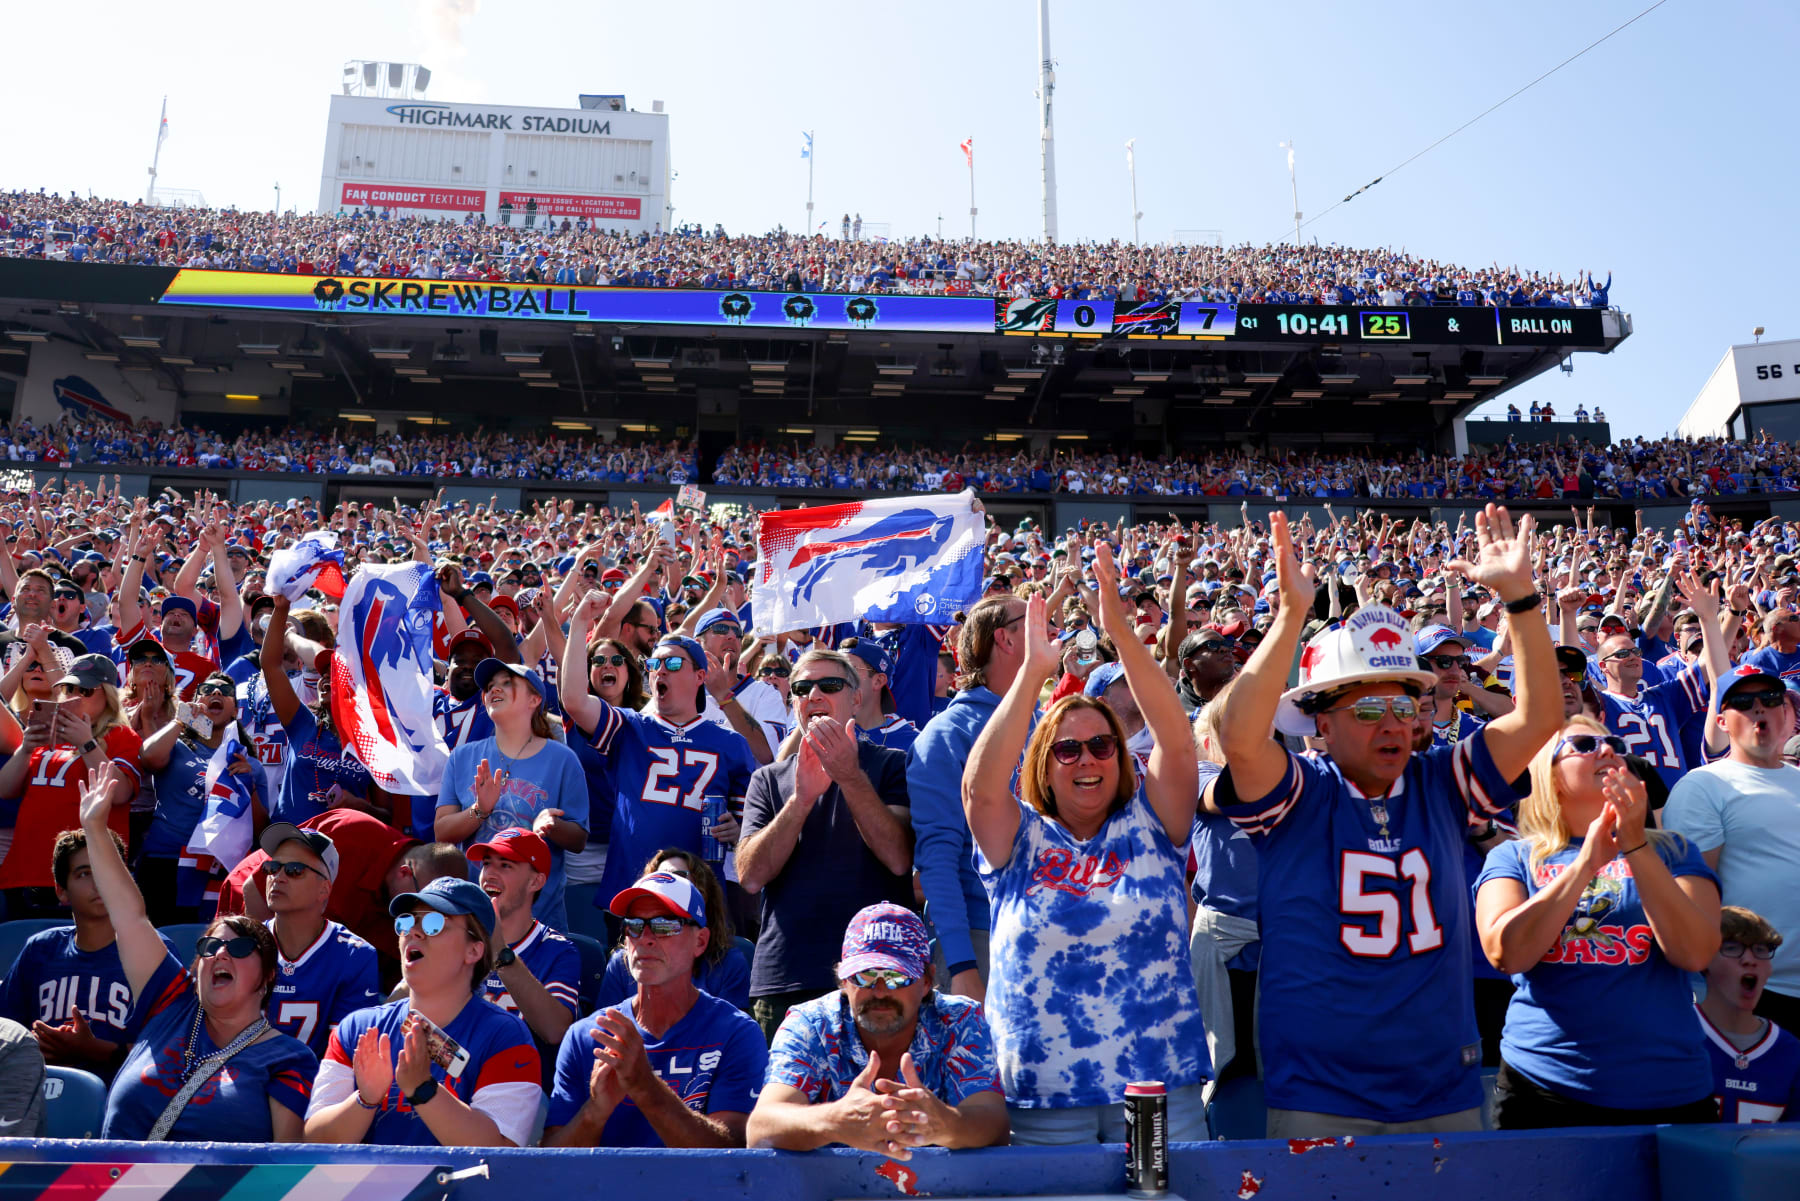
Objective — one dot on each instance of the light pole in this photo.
(1131, 166)
(278, 198)
(1046, 119)
(1293, 185)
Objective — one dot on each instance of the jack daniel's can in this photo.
(1146, 1139)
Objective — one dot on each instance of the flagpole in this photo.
(1131, 166)
(162, 131)
(971, 189)
(809, 182)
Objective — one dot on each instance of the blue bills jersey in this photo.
(1651, 722)
(333, 978)
(1761, 1084)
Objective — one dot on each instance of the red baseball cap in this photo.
(469, 634)
(517, 844)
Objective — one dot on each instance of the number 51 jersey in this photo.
(1367, 997)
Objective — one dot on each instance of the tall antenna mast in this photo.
(1046, 131)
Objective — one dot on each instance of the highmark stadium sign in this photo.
(462, 118)
(1167, 321)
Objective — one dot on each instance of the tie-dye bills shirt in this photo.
(1090, 986)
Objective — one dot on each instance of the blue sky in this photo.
(1665, 156)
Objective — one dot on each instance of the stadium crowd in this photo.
(384, 243)
(1355, 807)
(1637, 469)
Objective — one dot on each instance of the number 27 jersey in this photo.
(1367, 1005)
(663, 775)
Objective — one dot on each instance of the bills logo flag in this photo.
(912, 560)
(313, 562)
(222, 837)
(381, 677)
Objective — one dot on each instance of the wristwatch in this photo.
(424, 1092)
(92, 744)
(505, 958)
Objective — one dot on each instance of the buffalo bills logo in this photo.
(384, 618)
(79, 396)
(1059, 868)
(1385, 639)
(896, 544)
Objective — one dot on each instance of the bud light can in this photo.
(711, 849)
(1146, 1139)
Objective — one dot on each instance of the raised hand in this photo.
(1601, 845)
(1042, 654)
(96, 796)
(1504, 564)
(1696, 595)
(372, 1067)
(488, 786)
(810, 777)
(1297, 581)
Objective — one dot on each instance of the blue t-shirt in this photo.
(1368, 1004)
(51, 974)
(501, 1053)
(314, 761)
(713, 1059)
(728, 979)
(662, 777)
(1090, 986)
(1603, 1017)
(233, 1106)
(895, 733)
(181, 798)
(550, 778)
(1651, 722)
(818, 1050)
(1773, 661)
(1757, 1084)
(333, 978)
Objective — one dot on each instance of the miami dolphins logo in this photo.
(735, 307)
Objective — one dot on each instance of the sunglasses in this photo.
(293, 869)
(612, 585)
(1735, 950)
(1445, 662)
(241, 947)
(613, 660)
(1068, 750)
(667, 662)
(1371, 709)
(1218, 646)
(1589, 744)
(783, 672)
(215, 690)
(880, 977)
(829, 685)
(733, 631)
(78, 690)
(430, 924)
(1629, 652)
(662, 927)
(1743, 702)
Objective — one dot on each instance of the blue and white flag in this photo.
(221, 839)
(914, 560)
(313, 562)
(806, 150)
(381, 676)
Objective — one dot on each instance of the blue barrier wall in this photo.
(1473, 1167)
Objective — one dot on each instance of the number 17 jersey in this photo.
(663, 775)
(1367, 998)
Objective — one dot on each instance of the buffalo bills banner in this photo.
(912, 559)
(381, 677)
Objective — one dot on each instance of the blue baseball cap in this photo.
(180, 604)
(1745, 673)
(480, 579)
(874, 654)
(487, 669)
(717, 617)
(1102, 678)
(885, 935)
(685, 645)
(1432, 637)
(448, 895)
(676, 894)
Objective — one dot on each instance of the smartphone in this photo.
(445, 1051)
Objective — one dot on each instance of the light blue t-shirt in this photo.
(1090, 985)
(550, 779)
(1751, 816)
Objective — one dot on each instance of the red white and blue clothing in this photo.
(1090, 985)
(552, 959)
(333, 978)
(231, 1107)
(713, 1059)
(663, 775)
(1602, 1017)
(500, 1079)
(819, 1052)
(1367, 1003)
(895, 733)
(1651, 722)
(1755, 1083)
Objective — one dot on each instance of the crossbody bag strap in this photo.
(203, 1071)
